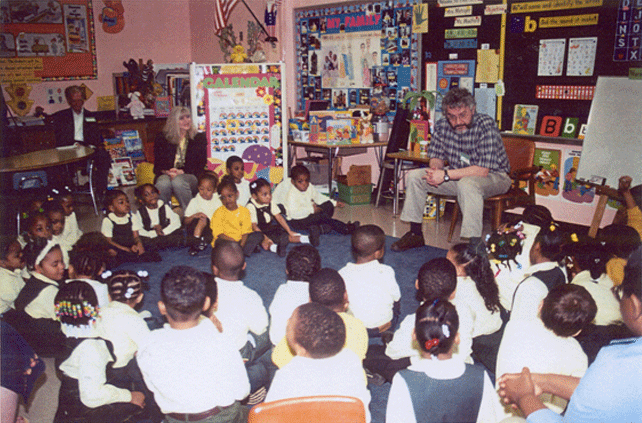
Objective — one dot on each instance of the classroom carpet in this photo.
(265, 271)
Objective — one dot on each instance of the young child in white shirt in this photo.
(199, 211)
(440, 384)
(236, 168)
(306, 208)
(87, 263)
(372, 287)
(160, 226)
(321, 366)
(85, 394)
(72, 232)
(56, 215)
(12, 264)
(301, 264)
(547, 343)
(194, 371)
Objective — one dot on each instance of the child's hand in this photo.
(624, 183)
(265, 244)
(159, 230)
(316, 208)
(201, 216)
(138, 398)
(294, 237)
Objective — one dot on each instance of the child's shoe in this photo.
(193, 250)
(315, 234)
(281, 246)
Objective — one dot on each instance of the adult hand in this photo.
(434, 177)
(138, 398)
(514, 386)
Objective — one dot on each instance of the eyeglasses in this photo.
(617, 292)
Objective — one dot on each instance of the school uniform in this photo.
(121, 230)
(608, 308)
(163, 215)
(11, 283)
(287, 298)
(263, 216)
(123, 326)
(540, 279)
(71, 233)
(245, 195)
(443, 390)
(200, 205)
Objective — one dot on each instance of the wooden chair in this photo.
(520, 153)
(317, 409)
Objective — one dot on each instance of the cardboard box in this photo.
(357, 175)
(356, 194)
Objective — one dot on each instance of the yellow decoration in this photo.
(238, 54)
(276, 174)
(20, 103)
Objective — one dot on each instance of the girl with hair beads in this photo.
(160, 226)
(34, 316)
(232, 222)
(87, 263)
(85, 395)
(266, 217)
(122, 231)
(440, 386)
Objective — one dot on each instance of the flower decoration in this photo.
(268, 99)
(260, 92)
(431, 343)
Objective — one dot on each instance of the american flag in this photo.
(222, 13)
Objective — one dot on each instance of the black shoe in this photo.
(282, 246)
(202, 244)
(375, 378)
(386, 337)
(193, 251)
(315, 234)
(408, 241)
(325, 228)
(352, 226)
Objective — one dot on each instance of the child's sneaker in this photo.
(281, 247)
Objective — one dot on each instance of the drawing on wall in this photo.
(551, 57)
(547, 180)
(76, 28)
(524, 119)
(39, 45)
(581, 56)
(31, 12)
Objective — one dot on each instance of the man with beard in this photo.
(467, 160)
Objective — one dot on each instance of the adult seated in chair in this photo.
(77, 125)
(477, 168)
(180, 155)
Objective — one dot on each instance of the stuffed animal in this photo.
(135, 106)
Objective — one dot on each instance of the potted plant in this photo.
(419, 104)
(413, 98)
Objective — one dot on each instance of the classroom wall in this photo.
(166, 31)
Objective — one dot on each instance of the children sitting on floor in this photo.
(372, 288)
(236, 169)
(34, 316)
(122, 230)
(544, 274)
(547, 344)
(301, 264)
(72, 232)
(306, 208)
(87, 263)
(85, 394)
(328, 289)
(509, 249)
(240, 309)
(160, 226)
(620, 241)
(34, 224)
(12, 264)
(321, 366)
(56, 215)
(266, 218)
(199, 211)
(194, 371)
(632, 204)
(232, 222)
(440, 385)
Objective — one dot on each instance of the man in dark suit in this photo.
(77, 125)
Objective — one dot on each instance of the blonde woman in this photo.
(180, 155)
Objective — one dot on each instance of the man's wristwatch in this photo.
(446, 177)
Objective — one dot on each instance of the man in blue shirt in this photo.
(610, 389)
(467, 160)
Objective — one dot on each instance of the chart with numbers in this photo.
(565, 92)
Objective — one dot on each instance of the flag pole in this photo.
(256, 19)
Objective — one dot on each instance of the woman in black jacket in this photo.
(180, 155)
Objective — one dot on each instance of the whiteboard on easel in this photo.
(240, 108)
(613, 144)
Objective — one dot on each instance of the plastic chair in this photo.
(26, 185)
(520, 152)
(317, 409)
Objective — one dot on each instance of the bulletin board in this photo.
(240, 109)
(353, 53)
(47, 40)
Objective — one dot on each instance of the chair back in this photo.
(317, 409)
(399, 131)
(29, 180)
(520, 152)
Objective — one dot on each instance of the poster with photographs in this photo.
(240, 107)
(355, 54)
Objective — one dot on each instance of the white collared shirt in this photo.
(79, 120)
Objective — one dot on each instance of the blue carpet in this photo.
(266, 271)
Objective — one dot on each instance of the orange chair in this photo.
(520, 152)
(317, 409)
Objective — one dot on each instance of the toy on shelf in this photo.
(135, 106)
